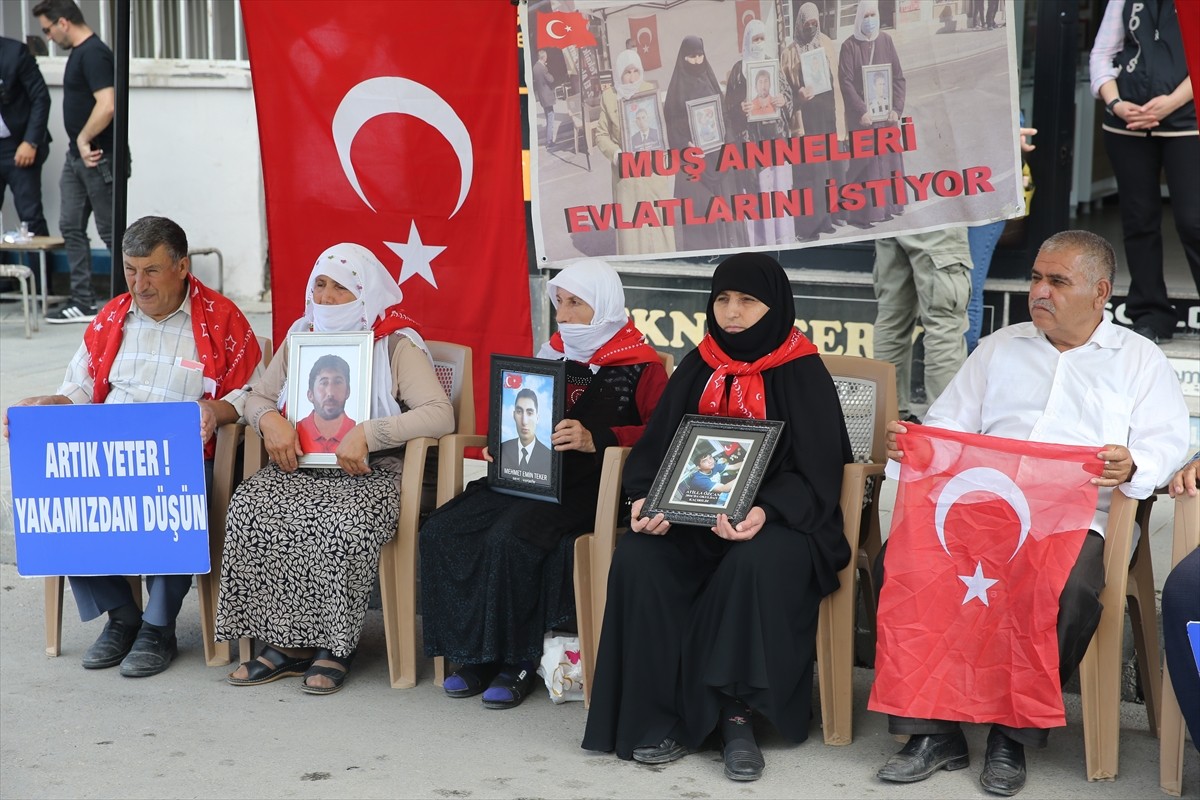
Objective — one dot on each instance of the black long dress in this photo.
(692, 82)
(496, 569)
(691, 617)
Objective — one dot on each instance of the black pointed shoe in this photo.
(743, 761)
(925, 755)
(662, 753)
(112, 645)
(1004, 767)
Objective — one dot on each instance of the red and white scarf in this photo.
(746, 396)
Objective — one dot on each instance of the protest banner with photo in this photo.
(113, 489)
(405, 146)
(907, 129)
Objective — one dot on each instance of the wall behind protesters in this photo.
(194, 141)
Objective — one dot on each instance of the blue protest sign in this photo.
(109, 489)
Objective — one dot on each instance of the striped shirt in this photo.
(157, 362)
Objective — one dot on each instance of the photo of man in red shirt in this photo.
(328, 390)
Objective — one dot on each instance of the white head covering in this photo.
(755, 27)
(598, 285)
(375, 291)
(863, 7)
(626, 59)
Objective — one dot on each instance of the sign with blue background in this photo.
(109, 489)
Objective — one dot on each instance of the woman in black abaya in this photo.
(706, 628)
(693, 79)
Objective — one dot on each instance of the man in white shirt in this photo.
(169, 339)
(1069, 377)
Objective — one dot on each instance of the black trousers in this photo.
(26, 185)
(1079, 610)
(1137, 162)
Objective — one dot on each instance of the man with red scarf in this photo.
(169, 339)
(1072, 377)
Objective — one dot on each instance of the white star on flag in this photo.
(977, 585)
(416, 257)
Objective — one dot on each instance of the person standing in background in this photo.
(24, 133)
(89, 103)
(1139, 73)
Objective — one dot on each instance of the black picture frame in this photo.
(679, 492)
(510, 378)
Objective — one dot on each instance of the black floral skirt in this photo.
(302, 554)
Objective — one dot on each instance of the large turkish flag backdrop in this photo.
(984, 534)
(380, 128)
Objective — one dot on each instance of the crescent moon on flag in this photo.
(747, 16)
(982, 479)
(646, 31)
(550, 29)
(391, 95)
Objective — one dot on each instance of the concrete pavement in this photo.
(67, 732)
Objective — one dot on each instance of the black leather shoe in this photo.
(743, 761)
(152, 653)
(1004, 766)
(1151, 334)
(662, 753)
(925, 755)
(111, 646)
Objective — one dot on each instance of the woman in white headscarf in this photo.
(302, 545)
(496, 569)
(870, 46)
(628, 192)
(818, 110)
(758, 46)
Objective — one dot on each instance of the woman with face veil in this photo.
(693, 78)
(302, 545)
(707, 628)
(869, 46)
(630, 191)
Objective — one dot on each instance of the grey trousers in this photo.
(85, 191)
(1079, 610)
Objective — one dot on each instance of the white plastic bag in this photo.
(561, 668)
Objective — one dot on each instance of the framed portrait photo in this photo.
(642, 123)
(713, 466)
(706, 123)
(762, 83)
(527, 399)
(877, 90)
(328, 390)
(814, 68)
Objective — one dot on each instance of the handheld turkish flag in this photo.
(562, 29)
(984, 534)
(404, 145)
(644, 32)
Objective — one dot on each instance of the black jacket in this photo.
(1152, 61)
(24, 98)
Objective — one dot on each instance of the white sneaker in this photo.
(71, 312)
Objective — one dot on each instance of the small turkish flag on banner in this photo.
(563, 29)
(644, 32)
(403, 145)
(984, 534)
(746, 10)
